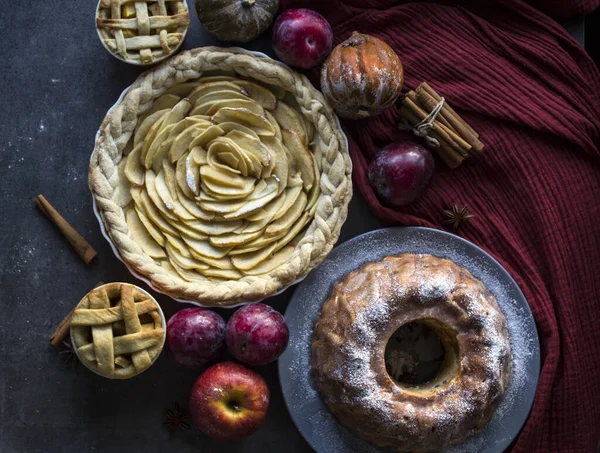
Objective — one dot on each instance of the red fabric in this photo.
(533, 94)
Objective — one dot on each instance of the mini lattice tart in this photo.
(142, 32)
(117, 330)
(222, 176)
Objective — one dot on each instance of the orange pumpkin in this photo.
(362, 77)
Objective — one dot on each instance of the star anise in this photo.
(457, 216)
(68, 353)
(176, 419)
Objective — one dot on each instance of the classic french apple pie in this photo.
(221, 176)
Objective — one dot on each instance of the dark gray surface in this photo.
(306, 407)
(56, 84)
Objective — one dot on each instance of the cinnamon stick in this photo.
(429, 99)
(81, 246)
(446, 152)
(63, 328)
(448, 135)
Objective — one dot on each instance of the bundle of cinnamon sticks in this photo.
(457, 139)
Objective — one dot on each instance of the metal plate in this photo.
(319, 427)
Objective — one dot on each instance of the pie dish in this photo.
(142, 32)
(118, 330)
(222, 177)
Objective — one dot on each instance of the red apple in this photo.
(401, 172)
(195, 337)
(302, 37)
(257, 334)
(229, 401)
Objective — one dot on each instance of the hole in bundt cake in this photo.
(421, 355)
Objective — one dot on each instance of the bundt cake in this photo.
(363, 312)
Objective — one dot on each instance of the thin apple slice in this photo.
(184, 231)
(206, 137)
(303, 158)
(224, 150)
(221, 207)
(177, 242)
(142, 237)
(150, 185)
(216, 95)
(270, 209)
(170, 178)
(206, 249)
(198, 155)
(166, 101)
(279, 163)
(250, 260)
(181, 144)
(189, 188)
(145, 204)
(255, 204)
(134, 171)
(258, 224)
(158, 149)
(183, 261)
(170, 203)
(229, 126)
(212, 87)
(212, 107)
(295, 231)
(257, 244)
(148, 138)
(229, 274)
(187, 275)
(291, 195)
(189, 203)
(214, 228)
(285, 222)
(257, 92)
(150, 226)
(251, 145)
(288, 118)
(153, 214)
(143, 129)
(233, 239)
(183, 89)
(217, 263)
(172, 117)
(272, 263)
(224, 179)
(271, 119)
(245, 117)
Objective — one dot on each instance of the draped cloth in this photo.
(533, 94)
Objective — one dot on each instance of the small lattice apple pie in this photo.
(117, 330)
(142, 32)
(222, 176)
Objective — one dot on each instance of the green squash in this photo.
(236, 20)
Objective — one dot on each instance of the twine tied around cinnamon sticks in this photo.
(429, 115)
(422, 128)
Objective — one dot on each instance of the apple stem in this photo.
(248, 2)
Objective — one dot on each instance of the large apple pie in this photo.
(221, 176)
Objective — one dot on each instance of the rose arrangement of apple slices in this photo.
(228, 401)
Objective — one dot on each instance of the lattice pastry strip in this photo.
(117, 330)
(142, 31)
